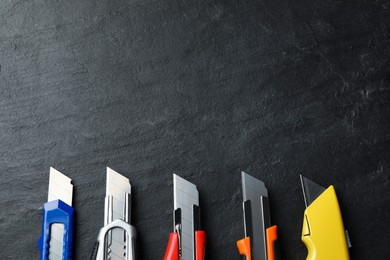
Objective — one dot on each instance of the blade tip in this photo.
(56, 173)
(180, 181)
(58, 178)
(301, 177)
(177, 178)
(311, 190)
(254, 184)
(112, 174)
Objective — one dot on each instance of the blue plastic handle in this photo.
(57, 212)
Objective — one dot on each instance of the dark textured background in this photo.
(203, 89)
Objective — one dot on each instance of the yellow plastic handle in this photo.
(323, 230)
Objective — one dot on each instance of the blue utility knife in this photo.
(57, 220)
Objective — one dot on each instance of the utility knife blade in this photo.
(117, 188)
(185, 195)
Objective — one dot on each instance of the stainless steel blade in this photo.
(255, 191)
(60, 187)
(185, 195)
(311, 190)
(118, 189)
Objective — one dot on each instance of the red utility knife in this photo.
(187, 241)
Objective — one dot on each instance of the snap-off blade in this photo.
(60, 188)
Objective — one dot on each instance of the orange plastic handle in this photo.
(272, 237)
(172, 252)
(244, 247)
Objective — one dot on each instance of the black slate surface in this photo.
(204, 89)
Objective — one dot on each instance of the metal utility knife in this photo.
(260, 242)
(323, 230)
(57, 220)
(187, 241)
(117, 239)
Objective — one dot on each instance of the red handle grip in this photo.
(200, 245)
(172, 252)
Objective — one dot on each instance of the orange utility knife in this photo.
(260, 242)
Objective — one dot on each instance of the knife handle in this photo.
(200, 245)
(323, 230)
(172, 251)
(56, 212)
(100, 251)
(244, 247)
(272, 244)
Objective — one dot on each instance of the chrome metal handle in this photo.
(130, 239)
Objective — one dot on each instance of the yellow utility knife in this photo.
(323, 231)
